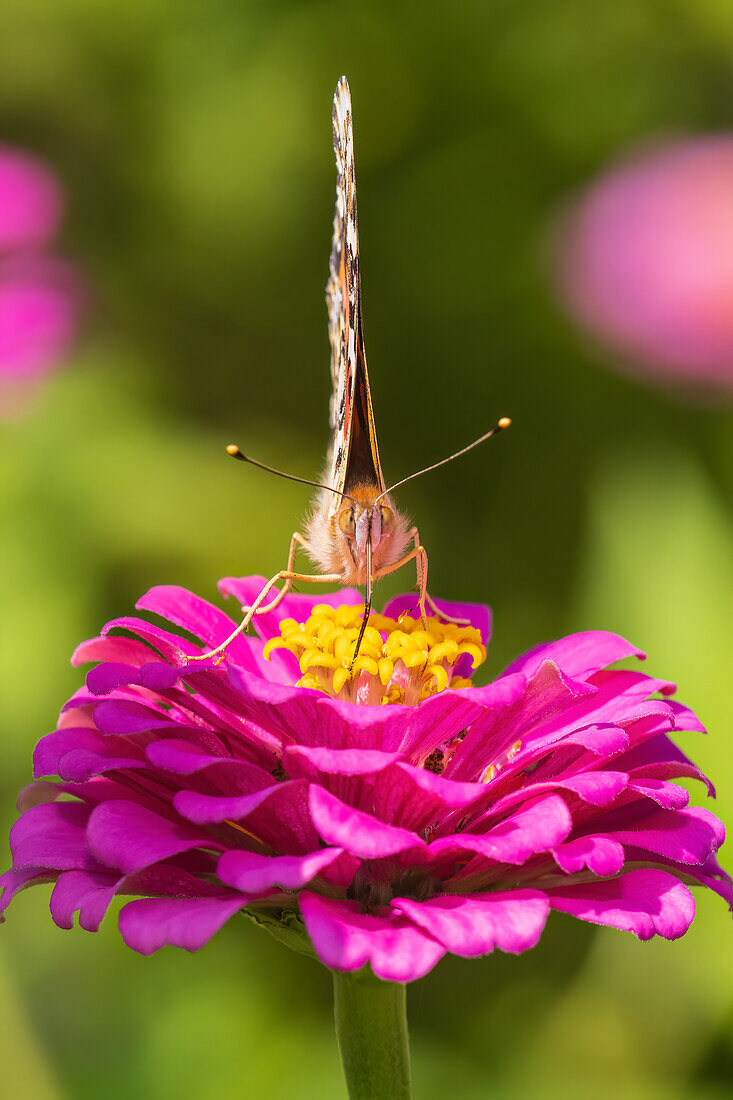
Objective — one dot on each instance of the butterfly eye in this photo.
(386, 515)
(346, 522)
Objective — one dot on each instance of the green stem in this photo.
(371, 1028)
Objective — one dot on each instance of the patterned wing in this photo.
(353, 457)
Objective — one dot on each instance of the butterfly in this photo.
(355, 532)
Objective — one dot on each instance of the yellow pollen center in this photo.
(400, 660)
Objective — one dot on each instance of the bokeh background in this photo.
(193, 145)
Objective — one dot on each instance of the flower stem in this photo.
(371, 1028)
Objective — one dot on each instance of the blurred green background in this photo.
(194, 143)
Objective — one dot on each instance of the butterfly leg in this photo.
(420, 556)
(284, 575)
(296, 540)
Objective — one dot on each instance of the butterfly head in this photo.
(340, 536)
(365, 520)
(365, 523)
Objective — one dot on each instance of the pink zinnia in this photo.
(31, 202)
(646, 260)
(387, 817)
(40, 294)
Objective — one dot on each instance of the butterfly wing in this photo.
(354, 456)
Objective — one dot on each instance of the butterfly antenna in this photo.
(235, 452)
(498, 427)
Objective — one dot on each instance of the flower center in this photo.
(400, 660)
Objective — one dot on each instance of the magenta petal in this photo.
(534, 828)
(688, 836)
(255, 874)
(54, 746)
(124, 716)
(85, 892)
(321, 765)
(53, 835)
(128, 837)
(17, 879)
(578, 655)
(152, 923)
(668, 795)
(198, 616)
(645, 902)
(600, 788)
(599, 854)
(187, 758)
(113, 647)
(394, 791)
(346, 938)
(170, 646)
(475, 924)
(416, 798)
(358, 832)
(278, 815)
(515, 708)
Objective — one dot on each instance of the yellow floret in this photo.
(407, 660)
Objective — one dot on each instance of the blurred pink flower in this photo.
(646, 260)
(40, 298)
(40, 295)
(31, 202)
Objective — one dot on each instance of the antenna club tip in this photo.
(233, 450)
(505, 422)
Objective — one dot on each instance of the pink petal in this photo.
(578, 655)
(522, 708)
(535, 828)
(170, 646)
(688, 836)
(53, 835)
(358, 832)
(668, 795)
(477, 923)
(345, 938)
(278, 815)
(256, 874)
(152, 923)
(599, 854)
(40, 307)
(128, 837)
(114, 647)
(124, 716)
(394, 791)
(19, 878)
(87, 892)
(600, 788)
(196, 615)
(645, 902)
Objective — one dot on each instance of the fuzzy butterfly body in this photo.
(343, 529)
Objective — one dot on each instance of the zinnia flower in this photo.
(393, 814)
(646, 257)
(31, 202)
